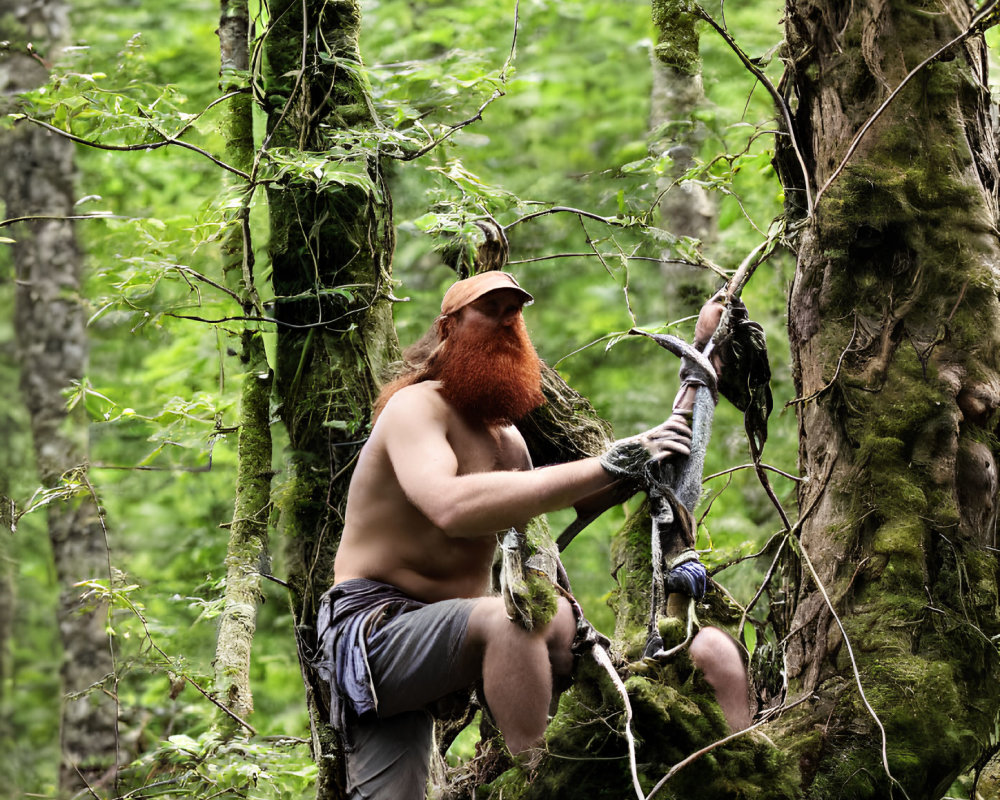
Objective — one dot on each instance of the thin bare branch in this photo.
(782, 473)
(763, 586)
(565, 210)
(756, 257)
(57, 218)
(653, 259)
(779, 100)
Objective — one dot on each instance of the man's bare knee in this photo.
(486, 622)
(718, 656)
(489, 623)
(712, 649)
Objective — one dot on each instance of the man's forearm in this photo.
(480, 504)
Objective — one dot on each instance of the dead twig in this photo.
(779, 100)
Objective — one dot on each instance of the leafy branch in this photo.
(165, 140)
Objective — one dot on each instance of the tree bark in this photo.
(894, 322)
(37, 179)
(331, 250)
(247, 553)
(8, 586)
(686, 208)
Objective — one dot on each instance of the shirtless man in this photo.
(408, 620)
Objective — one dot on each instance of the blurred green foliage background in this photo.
(570, 129)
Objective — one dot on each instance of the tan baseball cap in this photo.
(463, 292)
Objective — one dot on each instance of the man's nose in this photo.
(508, 314)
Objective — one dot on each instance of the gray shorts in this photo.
(415, 658)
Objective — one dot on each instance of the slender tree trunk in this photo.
(12, 420)
(331, 249)
(37, 180)
(895, 337)
(686, 208)
(248, 540)
(8, 587)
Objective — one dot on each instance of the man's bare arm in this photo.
(414, 427)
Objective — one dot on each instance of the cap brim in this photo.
(467, 291)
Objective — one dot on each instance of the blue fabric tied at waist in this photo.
(345, 614)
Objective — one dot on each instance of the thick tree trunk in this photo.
(331, 249)
(248, 535)
(37, 180)
(895, 336)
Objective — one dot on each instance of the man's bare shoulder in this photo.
(417, 403)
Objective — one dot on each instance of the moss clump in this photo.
(901, 537)
(538, 595)
(675, 714)
(911, 697)
(542, 598)
(672, 630)
(677, 44)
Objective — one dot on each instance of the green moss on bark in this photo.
(905, 260)
(675, 715)
(677, 40)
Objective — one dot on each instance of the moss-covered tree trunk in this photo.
(331, 248)
(248, 534)
(895, 337)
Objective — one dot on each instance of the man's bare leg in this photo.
(518, 667)
(718, 657)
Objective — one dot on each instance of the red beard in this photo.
(494, 379)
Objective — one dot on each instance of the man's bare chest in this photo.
(484, 449)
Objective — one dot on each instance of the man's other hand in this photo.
(708, 320)
(689, 578)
